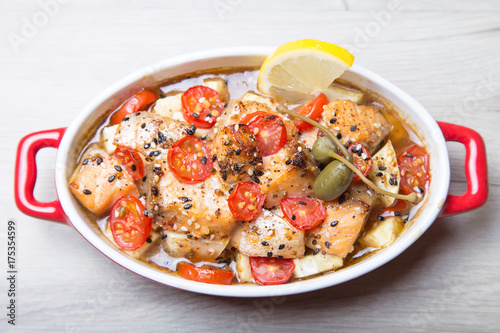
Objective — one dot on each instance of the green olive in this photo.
(332, 181)
(322, 149)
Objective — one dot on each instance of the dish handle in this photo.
(26, 173)
(476, 170)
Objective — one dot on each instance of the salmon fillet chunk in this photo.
(268, 235)
(289, 172)
(150, 133)
(345, 218)
(99, 180)
(356, 123)
(198, 210)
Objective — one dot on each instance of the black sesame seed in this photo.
(382, 168)
(133, 167)
(281, 247)
(214, 157)
(126, 119)
(353, 128)
(188, 206)
(279, 257)
(146, 213)
(233, 248)
(379, 174)
(393, 181)
(87, 192)
(409, 155)
(184, 199)
(204, 137)
(155, 141)
(334, 223)
(264, 243)
(238, 151)
(252, 162)
(85, 161)
(342, 199)
(204, 160)
(144, 178)
(339, 136)
(302, 203)
(398, 213)
(316, 252)
(293, 217)
(164, 236)
(154, 189)
(147, 145)
(149, 240)
(111, 178)
(224, 175)
(196, 115)
(327, 244)
(156, 152)
(255, 179)
(421, 190)
(258, 173)
(118, 168)
(288, 161)
(143, 125)
(99, 160)
(333, 120)
(314, 242)
(381, 218)
(269, 254)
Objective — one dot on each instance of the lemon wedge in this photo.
(297, 71)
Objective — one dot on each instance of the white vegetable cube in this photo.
(316, 263)
(385, 172)
(154, 236)
(243, 268)
(179, 245)
(218, 84)
(170, 106)
(252, 96)
(107, 137)
(383, 233)
(334, 92)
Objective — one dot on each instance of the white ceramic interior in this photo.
(78, 131)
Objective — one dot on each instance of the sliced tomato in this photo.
(134, 104)
(246, 201)
(205, 274)
(362, 159)
(129, 225)
(131, 161)
(201, 106)
(312, 110)
(268, 129)
(398, 208)
(189, 160)
(271, 271)
(302, 212)
(414, 168)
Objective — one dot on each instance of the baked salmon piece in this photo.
(235, 154)
(150, 133)
(289, 172)
(99, 180)
(268, 235)
(198, 210)
(345, 218)
(237, 110)
(357, 123)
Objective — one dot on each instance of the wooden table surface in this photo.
(57, 55)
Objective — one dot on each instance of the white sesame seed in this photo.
(174, 227)
(237, 127)
(336, 128)
(317, 246)
(208, 218)
(184, 213)
(212, 236)
(183, 228)
(299, 149)
(250, 171)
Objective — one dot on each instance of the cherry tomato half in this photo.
(201, 106)
(302, 212)
(414, 168)
(268, 129)
(271, 271)
(362, 159)
(189, 160)
(131, 161)
(398, 208)
(246, 201)
(134, 104)
(129, 226)
(207, 275)
(312, 110)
